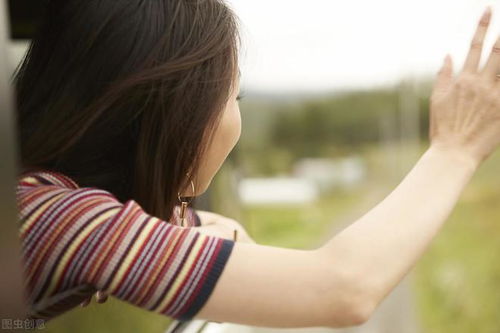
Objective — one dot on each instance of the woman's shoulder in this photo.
(39, 189)
(74, 237)
(35, 177)
(34, 183)
(49, 195)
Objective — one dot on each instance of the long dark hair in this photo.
(124, 95)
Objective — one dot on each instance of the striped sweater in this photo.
(77, 240)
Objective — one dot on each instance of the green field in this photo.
(458, 279)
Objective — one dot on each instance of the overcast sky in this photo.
(318, 45)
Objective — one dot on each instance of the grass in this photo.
(458, 279)
(298, 226)
(456, 282)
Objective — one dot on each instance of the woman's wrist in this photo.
(456, 156)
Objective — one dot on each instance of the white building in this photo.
(279, 190)
(329, 173)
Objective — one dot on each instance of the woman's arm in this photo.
(342, 282)
(384, 244)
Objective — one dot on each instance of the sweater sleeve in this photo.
(86, 240)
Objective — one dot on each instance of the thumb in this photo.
(445, 74)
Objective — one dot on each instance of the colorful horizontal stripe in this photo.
(77, 240)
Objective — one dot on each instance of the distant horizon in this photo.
(302, 94)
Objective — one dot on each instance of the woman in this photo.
(126, 107)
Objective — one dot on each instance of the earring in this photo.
(184, 205)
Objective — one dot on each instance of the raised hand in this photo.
(465, 110)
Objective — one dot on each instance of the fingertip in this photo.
(450, 60)
(447, 67)
(487, 12)
(447, 60)
(485, 19)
